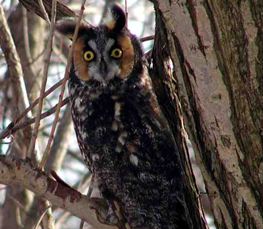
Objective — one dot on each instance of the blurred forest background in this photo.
(18, 207)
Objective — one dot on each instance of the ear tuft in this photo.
(116, 19)
(67, 27)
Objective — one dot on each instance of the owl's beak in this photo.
(105, 72)
(103, 68)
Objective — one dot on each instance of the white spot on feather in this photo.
(134, 160)
(77, 102)
(117, 108)
(122, 137)
(114, 97)
(94, 95)
(114, 126)
(80, 108)
(72, 90)
(84, 134)
(118, 148)
(117, 112)
(83, 117)
(90, 112)
(121, 141)
(95, 157)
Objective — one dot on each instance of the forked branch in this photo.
(21, 172)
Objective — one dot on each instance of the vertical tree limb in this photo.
(50, 139)
(44, 79)
(13, 60)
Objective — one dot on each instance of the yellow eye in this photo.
(116, 53)
(88, 56)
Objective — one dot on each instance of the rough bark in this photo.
(216, 49)
(165, 88)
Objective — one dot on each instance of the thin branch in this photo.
(60, 143)
(32, 120)
(50, 139)
(48, 220)
(81, 224)
(126, 13)
(60, 55)
(42, 8)
(149, 38)
(14, 65)
(9, 129)
(41, 217)
(17, 203)
(44, 80)
(12, 59)
(25, 33)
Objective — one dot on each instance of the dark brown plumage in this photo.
(125, 139)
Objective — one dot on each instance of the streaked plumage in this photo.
(122, 134)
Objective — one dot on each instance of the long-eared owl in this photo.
(121, 131)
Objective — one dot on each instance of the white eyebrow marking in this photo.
(93, 45)
(109, 44)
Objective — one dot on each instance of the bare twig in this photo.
(60, 55)
(25, 33)
(32, 120)
(41, 217)
(63, 87)
(42, 8)
(18, 217)
(12, 58)
(82, 224)
(10, 128)
(60, 143)
(126, 13)
(143, 39)
(17, 203)
(44, 80)
(48, 220)
(14, 65)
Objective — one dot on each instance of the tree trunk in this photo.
(216, 49)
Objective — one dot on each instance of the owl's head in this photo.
(105, 52)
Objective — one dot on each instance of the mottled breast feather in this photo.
(121, 131)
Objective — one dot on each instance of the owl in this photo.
(121, 131)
